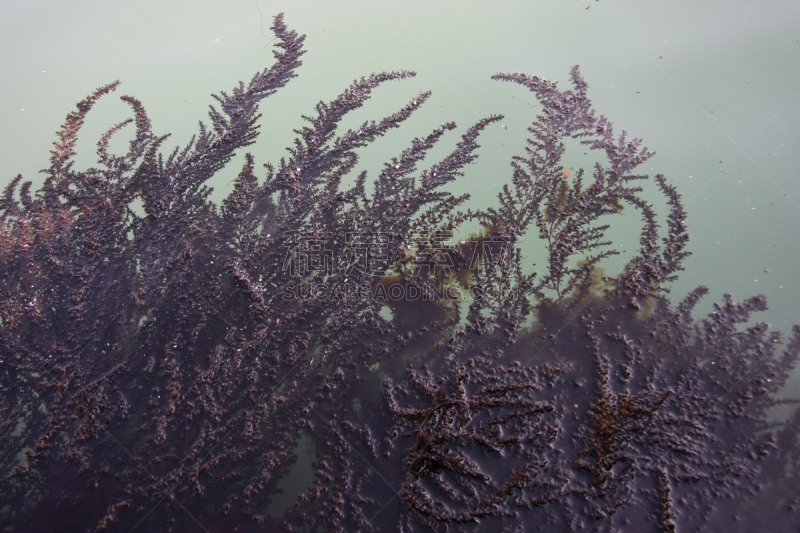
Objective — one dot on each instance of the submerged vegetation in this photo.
(160, 366)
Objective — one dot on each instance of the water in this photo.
(712, 88)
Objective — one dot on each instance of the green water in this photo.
(712, 87)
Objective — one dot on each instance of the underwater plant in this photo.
(163, 359)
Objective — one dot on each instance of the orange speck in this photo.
(566, 173)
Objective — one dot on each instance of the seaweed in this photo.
(163, 358)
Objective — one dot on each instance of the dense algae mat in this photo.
(160, 366)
